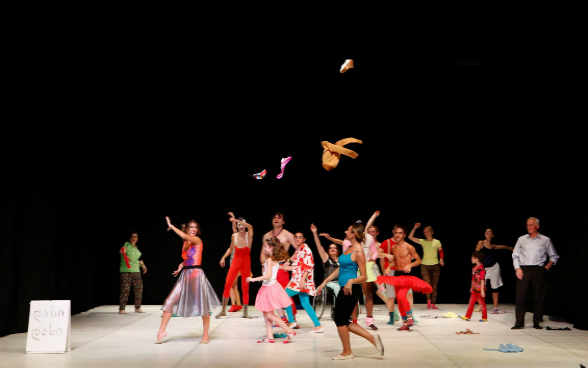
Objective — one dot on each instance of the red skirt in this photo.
(411, 282)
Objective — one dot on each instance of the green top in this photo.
(430, 251)
(133, 253)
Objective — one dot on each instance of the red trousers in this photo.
(402, 300)
(477, 297)
(241, 262)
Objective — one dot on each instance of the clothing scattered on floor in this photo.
(558, 329)
(509, 348)
(450, 315)
(280, 336)
(467, 332)
(433, 316)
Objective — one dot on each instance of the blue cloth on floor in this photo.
(509, 348)
(280, 336)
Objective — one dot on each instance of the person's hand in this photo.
(176, 272)
(347, 290)
(302, 285)
(442, 263)
(519, 273)
(407, 268)
(232, 219)
(510, 248)
(483, 293)
(249, 279)
(231, 214)
(169, 225)
(470, 290)
(326, 235)
(319, 289)
(387, 272)
(417, 225)
(390, 257)
(377, 213)
(313, 228)
(222, 262)
(144, 269)
(547, 267)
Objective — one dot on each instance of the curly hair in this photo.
(279, 253)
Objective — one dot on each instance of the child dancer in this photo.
(478, 288)
(271, 295)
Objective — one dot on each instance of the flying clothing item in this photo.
(332, 152)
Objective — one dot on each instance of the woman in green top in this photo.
(131, 275)
(430, 269)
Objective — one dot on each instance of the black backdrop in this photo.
(108, 129)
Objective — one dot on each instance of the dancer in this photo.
(430, 268)
(302, 281)
(478, 288)
(235, 297)
(386, 249)
(491, 266)
(528, 258)
(371, 253)
(130, 274)
(240, 242)
(403, 254)
(192, 295)
(330, 264)
(350, 262)
(272, 296)
(286, 238)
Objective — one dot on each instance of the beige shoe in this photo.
(478, 309)
(344, 357)
(122, 311)
(139, 310)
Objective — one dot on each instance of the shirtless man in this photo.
(287, 239)
(403, 254)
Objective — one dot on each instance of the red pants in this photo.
(401, 299)
(477, 297)
(241, 262)
(283, 277)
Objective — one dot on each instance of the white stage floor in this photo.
(103, 338)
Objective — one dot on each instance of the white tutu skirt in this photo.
(192, 295)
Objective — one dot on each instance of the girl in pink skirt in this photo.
(271, 295)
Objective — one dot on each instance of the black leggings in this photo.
(345, 305)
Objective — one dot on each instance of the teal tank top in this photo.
(347, 268)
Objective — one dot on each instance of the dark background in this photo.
(115, 116)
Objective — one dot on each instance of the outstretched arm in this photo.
(502, 247)
(270, 265)
(192, 239)
(411, 235)
(317, 241)
(336, 241)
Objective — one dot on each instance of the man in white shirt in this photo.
(529, 257)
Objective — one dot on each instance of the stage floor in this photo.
(103, 338)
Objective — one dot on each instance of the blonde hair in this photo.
(430, 229)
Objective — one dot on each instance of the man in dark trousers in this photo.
(529, 257)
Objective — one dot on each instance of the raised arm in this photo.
(192, 239)
(317, 241)
(248, 226)
(233, 223)
(372, 220)
(336, 241)
(411, 235)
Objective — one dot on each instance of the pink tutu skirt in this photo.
(272, 297)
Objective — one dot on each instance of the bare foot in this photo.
(204, 341)
(160, 335)
(221, 314)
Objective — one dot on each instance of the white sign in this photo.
(49, 326)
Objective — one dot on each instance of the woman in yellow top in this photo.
(430, 269)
